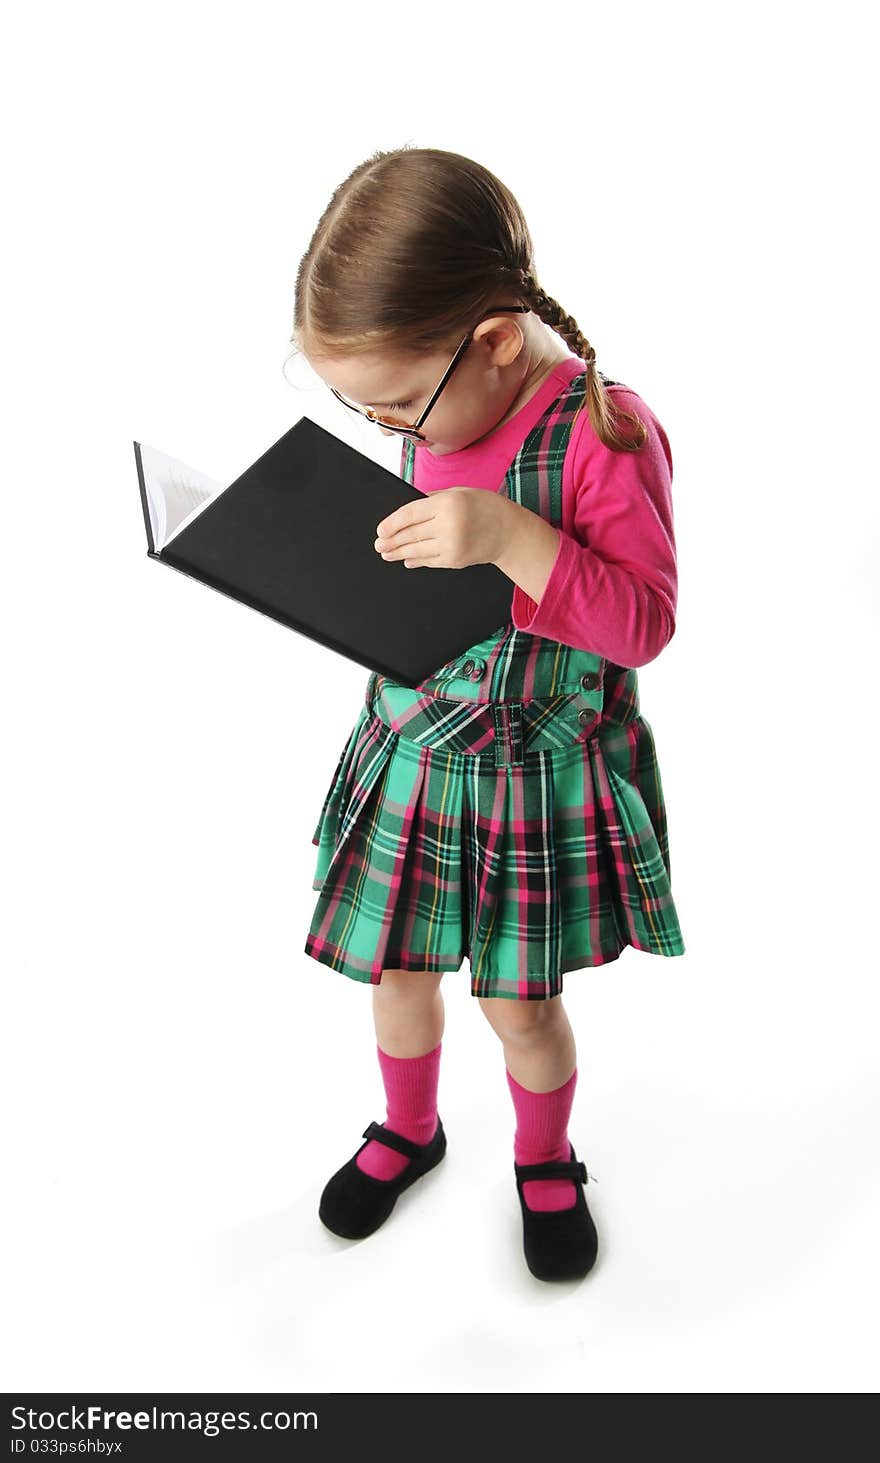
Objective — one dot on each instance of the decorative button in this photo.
(467, 667)
(585, 715)
(589, 680)
(479, 667)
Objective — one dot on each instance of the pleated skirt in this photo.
(430, 853)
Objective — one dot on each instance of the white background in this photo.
(181, 1079)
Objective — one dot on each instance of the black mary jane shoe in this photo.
(559, 1244)
(354, 1204)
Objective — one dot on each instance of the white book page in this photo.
(176, 493)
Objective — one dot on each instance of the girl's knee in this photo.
(515, 1020)
(408, 985)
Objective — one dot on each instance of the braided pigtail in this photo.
(605, 417)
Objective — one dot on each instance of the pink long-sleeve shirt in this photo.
(613, 586)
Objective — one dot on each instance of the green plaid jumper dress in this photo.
(509, 808)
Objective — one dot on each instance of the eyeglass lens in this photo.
(380, 418)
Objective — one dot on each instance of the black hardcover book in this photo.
(293, 538)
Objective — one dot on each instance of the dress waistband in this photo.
(504, 731)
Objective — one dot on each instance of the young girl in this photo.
(509, 808)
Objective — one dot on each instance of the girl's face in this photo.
(479, 395)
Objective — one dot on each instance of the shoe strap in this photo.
(394, 1140)
(552, 1170)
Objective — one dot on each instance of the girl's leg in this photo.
(409, 1018)
(537, 1038)
(541, 1063)
(408, 1012)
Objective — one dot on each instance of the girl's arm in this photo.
(612, 589)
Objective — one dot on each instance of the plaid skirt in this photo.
(528, 836)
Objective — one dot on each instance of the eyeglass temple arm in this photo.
(499, 309)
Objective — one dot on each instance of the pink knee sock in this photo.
(411, 1097)
(542, 1136)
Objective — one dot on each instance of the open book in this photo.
(293, 537)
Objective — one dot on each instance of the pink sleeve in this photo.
(613, 586)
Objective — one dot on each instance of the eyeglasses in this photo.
(414, 432)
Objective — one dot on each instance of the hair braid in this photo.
(604, 416)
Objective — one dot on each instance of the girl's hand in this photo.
(448, 530)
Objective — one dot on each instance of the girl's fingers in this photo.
(412, 533)
(423, 563)
(420, 550)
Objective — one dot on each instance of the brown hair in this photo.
(414, 245)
